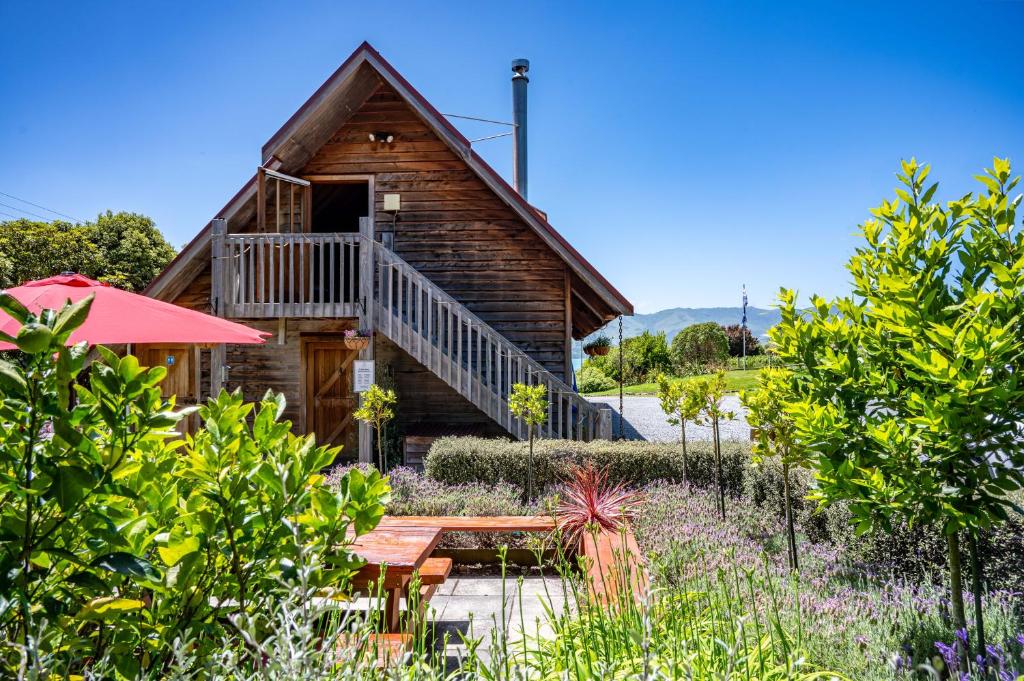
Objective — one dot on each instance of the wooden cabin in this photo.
(371, 211)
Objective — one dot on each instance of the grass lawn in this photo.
(734, 382)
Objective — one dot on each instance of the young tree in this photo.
(376, 410)
(680, 403)
(909, 391)
(776, 436)
(700, 348)
(709, 391)
(529, 404)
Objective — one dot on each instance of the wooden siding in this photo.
(453, 229)
(424, 399)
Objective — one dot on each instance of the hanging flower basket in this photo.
(598, 347)
(355, 340)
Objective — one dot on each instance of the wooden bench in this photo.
(433, 573)
(454, 523)
(389, 649)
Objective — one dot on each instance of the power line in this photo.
(48, 210)
(26, 212)
(9, 215)
(482, 120)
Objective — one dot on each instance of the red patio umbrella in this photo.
(118, 317)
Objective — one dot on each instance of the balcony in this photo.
(287, 275)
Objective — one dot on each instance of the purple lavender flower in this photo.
(948, 654)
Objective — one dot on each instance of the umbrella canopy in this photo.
(119, 317)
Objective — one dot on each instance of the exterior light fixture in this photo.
(384, 137)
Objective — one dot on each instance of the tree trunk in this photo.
(529, 470)
(380, 452)
(976, 588)
(682, 439)
(790, 532)
(956, 588)
(718, 468)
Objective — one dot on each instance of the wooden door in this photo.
(329, 400)
(181, 381)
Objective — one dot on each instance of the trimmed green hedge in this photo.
(461, 460)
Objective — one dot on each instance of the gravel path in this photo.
(646, 421)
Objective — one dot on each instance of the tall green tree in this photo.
(36, 250)
(124, 249)
(775, 436)
(909, 390)
(529, 403)
(134, 250)
(681, 403)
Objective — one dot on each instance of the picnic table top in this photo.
(402, 548)
(497, 523)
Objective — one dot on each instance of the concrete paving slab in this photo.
(483, 586)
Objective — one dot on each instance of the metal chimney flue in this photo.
(519, 81)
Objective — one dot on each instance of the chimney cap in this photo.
(520, 66)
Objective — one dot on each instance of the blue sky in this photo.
(683, 148)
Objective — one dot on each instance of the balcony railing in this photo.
(290, 275)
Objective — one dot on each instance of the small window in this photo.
(337, 206)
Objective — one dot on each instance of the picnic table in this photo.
(397, 551)
(401, 545)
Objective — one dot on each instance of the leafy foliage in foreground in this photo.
(118, 541)
(909, 390)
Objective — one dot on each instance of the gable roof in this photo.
(313, 123)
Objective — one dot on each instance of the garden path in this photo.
(646, 421)
(473, 606)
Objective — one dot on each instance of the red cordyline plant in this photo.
(589, 501)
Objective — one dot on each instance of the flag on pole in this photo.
(744, 305)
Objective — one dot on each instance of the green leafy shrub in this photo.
(647, 355)
(120, 539)
(461, 460)
(699, 349)
(592, 380)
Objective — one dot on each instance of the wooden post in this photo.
(604, 422)
(219, 228)
(367, 309)
(568, 328)
(261, 200)
(218, 359)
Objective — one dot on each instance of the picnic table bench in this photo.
(400, 547)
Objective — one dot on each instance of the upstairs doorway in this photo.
(338, 205)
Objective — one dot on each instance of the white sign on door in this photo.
(363, 371)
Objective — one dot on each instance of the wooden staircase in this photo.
(298, 274)
(468, 354)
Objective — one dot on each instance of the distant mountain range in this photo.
(673, 320)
